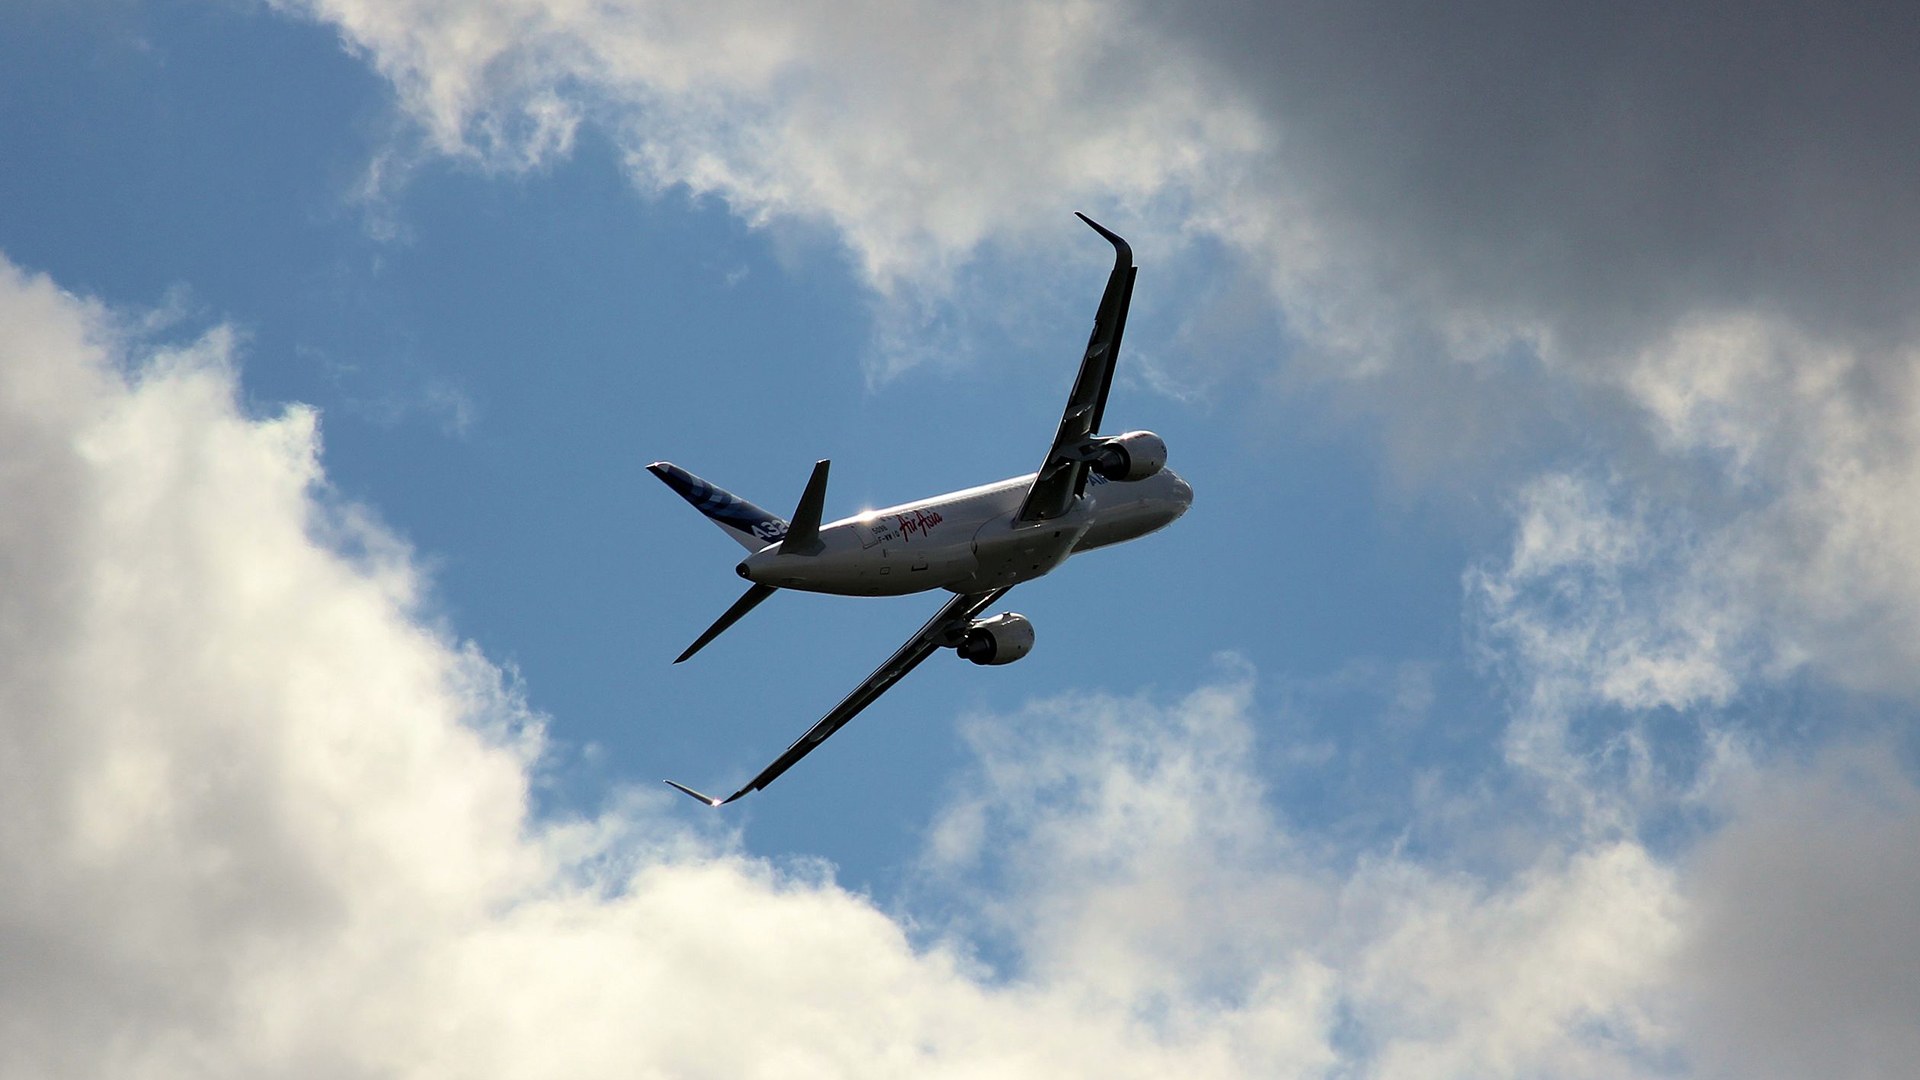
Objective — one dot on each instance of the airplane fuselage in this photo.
(967, 541)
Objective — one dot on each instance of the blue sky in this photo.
(1549, 580)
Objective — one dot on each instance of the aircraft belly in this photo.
(913, 567)
(1005, 555)
(859, 560)
(886, 571)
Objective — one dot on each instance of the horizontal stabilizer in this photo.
(747, 602)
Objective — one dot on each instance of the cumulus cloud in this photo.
(1816, 448)
(1630, 637)
(915, 133)
(1607, 607)
(1770, 539)
(1143, 858)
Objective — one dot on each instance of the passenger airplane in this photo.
(1092, 490)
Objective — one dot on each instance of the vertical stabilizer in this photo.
(803, 534)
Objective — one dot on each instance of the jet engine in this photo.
(1000, 640)
(1133, 456)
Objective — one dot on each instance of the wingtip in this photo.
(685, 790)
(1125, 249)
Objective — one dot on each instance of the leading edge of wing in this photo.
(954, 613)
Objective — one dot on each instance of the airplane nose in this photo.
(1182, 490)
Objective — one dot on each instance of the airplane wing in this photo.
(1064, 474)
(943, 629)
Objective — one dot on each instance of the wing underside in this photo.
(944, 629)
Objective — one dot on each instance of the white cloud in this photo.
(1816, 447)
(914, 132)
(1774, 537)
(1606, 610)
(1129, 846)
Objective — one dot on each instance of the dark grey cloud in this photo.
(1603, 167)
(1804, 954)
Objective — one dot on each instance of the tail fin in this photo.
(803, 533)
(751, 527)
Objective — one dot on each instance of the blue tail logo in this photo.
(723, 507)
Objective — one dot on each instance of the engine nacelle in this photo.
(1000, 640)
(1133, 456)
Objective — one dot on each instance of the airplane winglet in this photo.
(708, 799)
(1122, 249)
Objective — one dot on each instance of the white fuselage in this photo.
(966, 541)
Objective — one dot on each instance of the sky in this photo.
(1530, 692)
